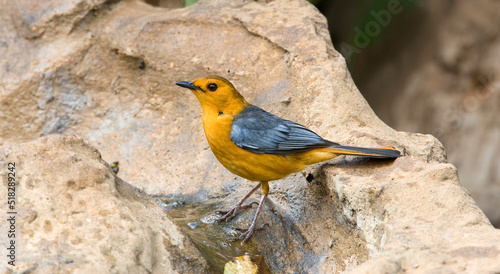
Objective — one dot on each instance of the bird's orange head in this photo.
(216, 94)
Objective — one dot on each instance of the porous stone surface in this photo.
(75, 215)
(106, 72)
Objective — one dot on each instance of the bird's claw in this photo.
(247, 232)
(230, 214)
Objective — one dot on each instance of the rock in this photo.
(250, 264)
(416, 225)
(106, 72)
(430, 77)
(74, 214)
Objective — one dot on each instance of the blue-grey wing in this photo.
(261, 132)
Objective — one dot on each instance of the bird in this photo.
(259, 146)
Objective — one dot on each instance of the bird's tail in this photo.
(385, 152)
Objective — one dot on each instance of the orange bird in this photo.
(260, 146)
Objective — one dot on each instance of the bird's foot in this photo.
(247, 232)
(229, 214)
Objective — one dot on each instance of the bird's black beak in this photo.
(187, 84)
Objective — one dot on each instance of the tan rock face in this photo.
(74, 214)
(106, 72)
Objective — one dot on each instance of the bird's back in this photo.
(259, 131)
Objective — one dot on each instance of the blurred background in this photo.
(430, 67)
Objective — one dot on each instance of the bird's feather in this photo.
(261, 132)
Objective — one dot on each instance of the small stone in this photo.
(193, 225)
(286, 100)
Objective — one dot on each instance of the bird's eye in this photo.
(212, 87)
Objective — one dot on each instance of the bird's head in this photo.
(216, 94)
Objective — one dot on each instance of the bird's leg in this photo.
(247, 233)
(228, 215)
